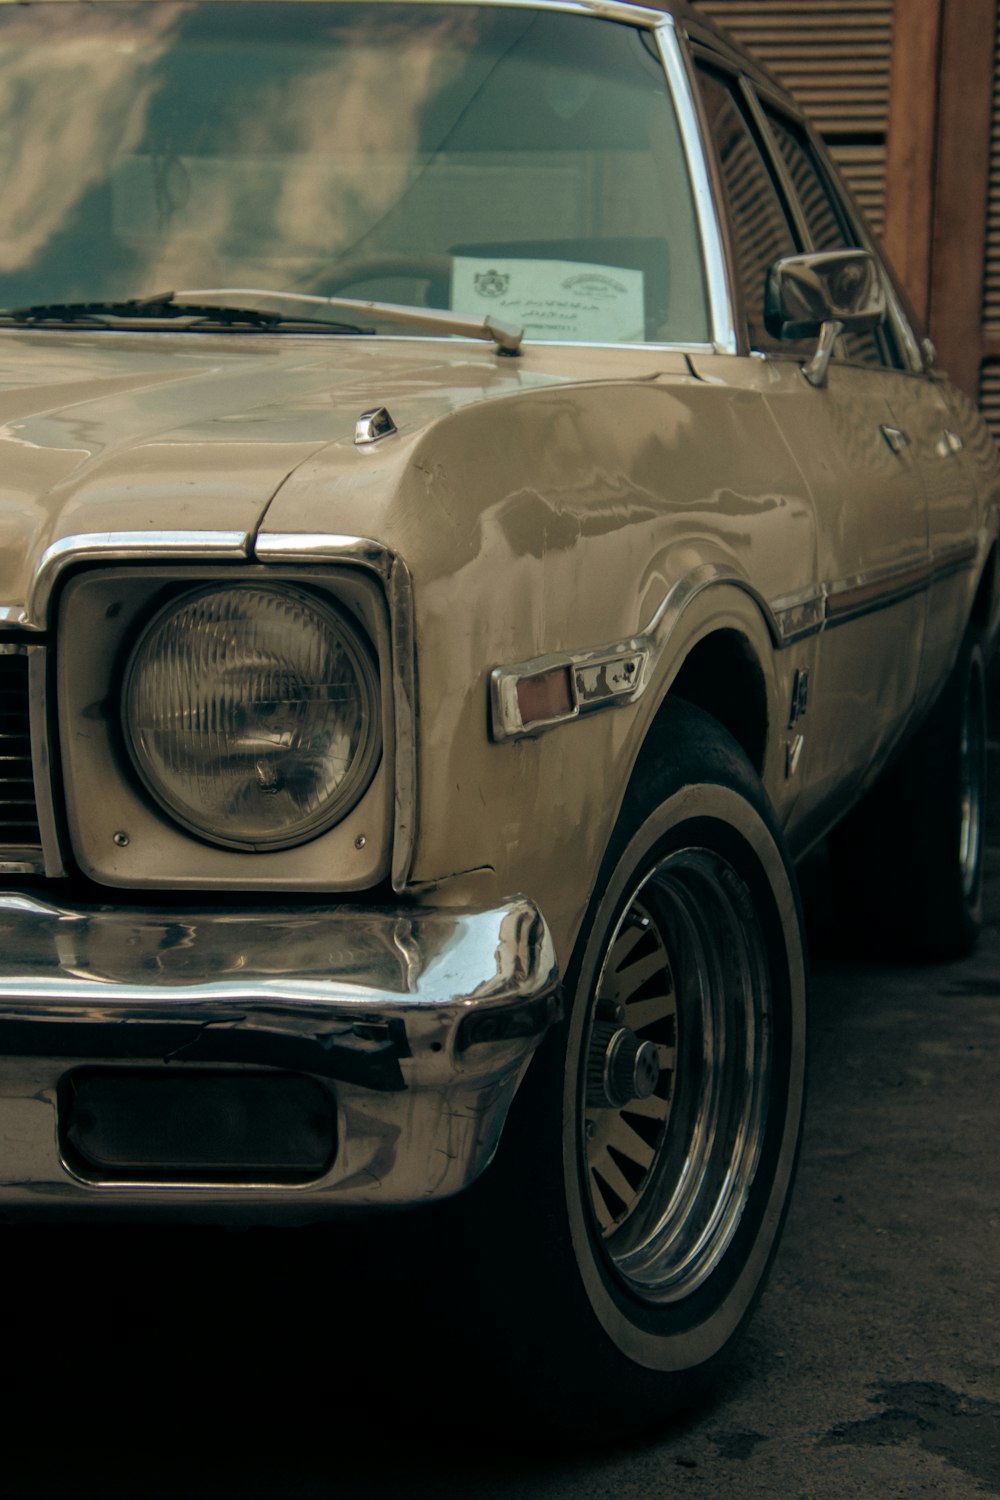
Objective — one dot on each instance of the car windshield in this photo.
(498, 161)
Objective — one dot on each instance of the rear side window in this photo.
(760, 228)
(826, 224)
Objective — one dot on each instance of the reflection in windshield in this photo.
(75, 88)
(504, 162)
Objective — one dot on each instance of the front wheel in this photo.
(640, 1189)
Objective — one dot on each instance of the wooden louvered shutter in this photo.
(833, 55)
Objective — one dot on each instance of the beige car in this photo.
(475, 513)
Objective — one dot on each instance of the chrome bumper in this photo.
(419, 1021)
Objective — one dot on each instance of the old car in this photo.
(476, 512)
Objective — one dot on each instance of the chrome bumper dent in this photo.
(422, 1022)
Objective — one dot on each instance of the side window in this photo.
(760, 229)
(827, 228)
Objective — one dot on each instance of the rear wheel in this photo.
(626, 1228)
(907, 861)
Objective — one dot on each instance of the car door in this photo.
(868, 605)
(922, 428)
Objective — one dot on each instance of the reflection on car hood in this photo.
(109, 433)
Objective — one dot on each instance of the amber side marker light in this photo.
(547, 695)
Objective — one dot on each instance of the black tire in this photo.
(604, 1313)
(907, 862)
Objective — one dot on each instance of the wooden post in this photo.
(968, 41)
(911, 146)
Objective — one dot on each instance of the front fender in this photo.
(537, 810)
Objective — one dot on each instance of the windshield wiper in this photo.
(198, 308)
(506, 336)
(165, 307)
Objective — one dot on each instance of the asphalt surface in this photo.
(148, 1362)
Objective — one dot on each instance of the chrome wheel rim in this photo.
(971, 780)
(668, 1170)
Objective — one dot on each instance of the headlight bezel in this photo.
(362, 768)
(116, 833)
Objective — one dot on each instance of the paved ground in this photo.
(871, 1368)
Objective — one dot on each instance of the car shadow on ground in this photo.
(181, 1359)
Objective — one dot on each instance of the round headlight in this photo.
(252, 714)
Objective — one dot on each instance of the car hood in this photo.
(121, 444)
(143, 437)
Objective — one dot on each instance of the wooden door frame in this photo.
(937, 171)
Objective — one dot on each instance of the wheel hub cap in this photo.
(676, 1074)
(621, 1067)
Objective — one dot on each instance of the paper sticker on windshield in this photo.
(553, 299)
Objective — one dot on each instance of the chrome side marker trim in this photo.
(531, 696)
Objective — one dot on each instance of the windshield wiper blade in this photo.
(506, 336)
(200, 308)
(161, 306)
(165, 306)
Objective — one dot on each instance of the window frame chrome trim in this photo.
(764, 97)
(774, 159)
(676, 67)
(638, 14)
(853, 217)
(641, 15)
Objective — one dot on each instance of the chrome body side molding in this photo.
(619, 673)
(800, 615)
(867, 593)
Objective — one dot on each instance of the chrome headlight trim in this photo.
(175, 755)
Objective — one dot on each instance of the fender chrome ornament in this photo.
(373, 426)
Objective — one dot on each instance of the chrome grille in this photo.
(18, 814)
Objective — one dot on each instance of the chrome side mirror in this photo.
(824, 294)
